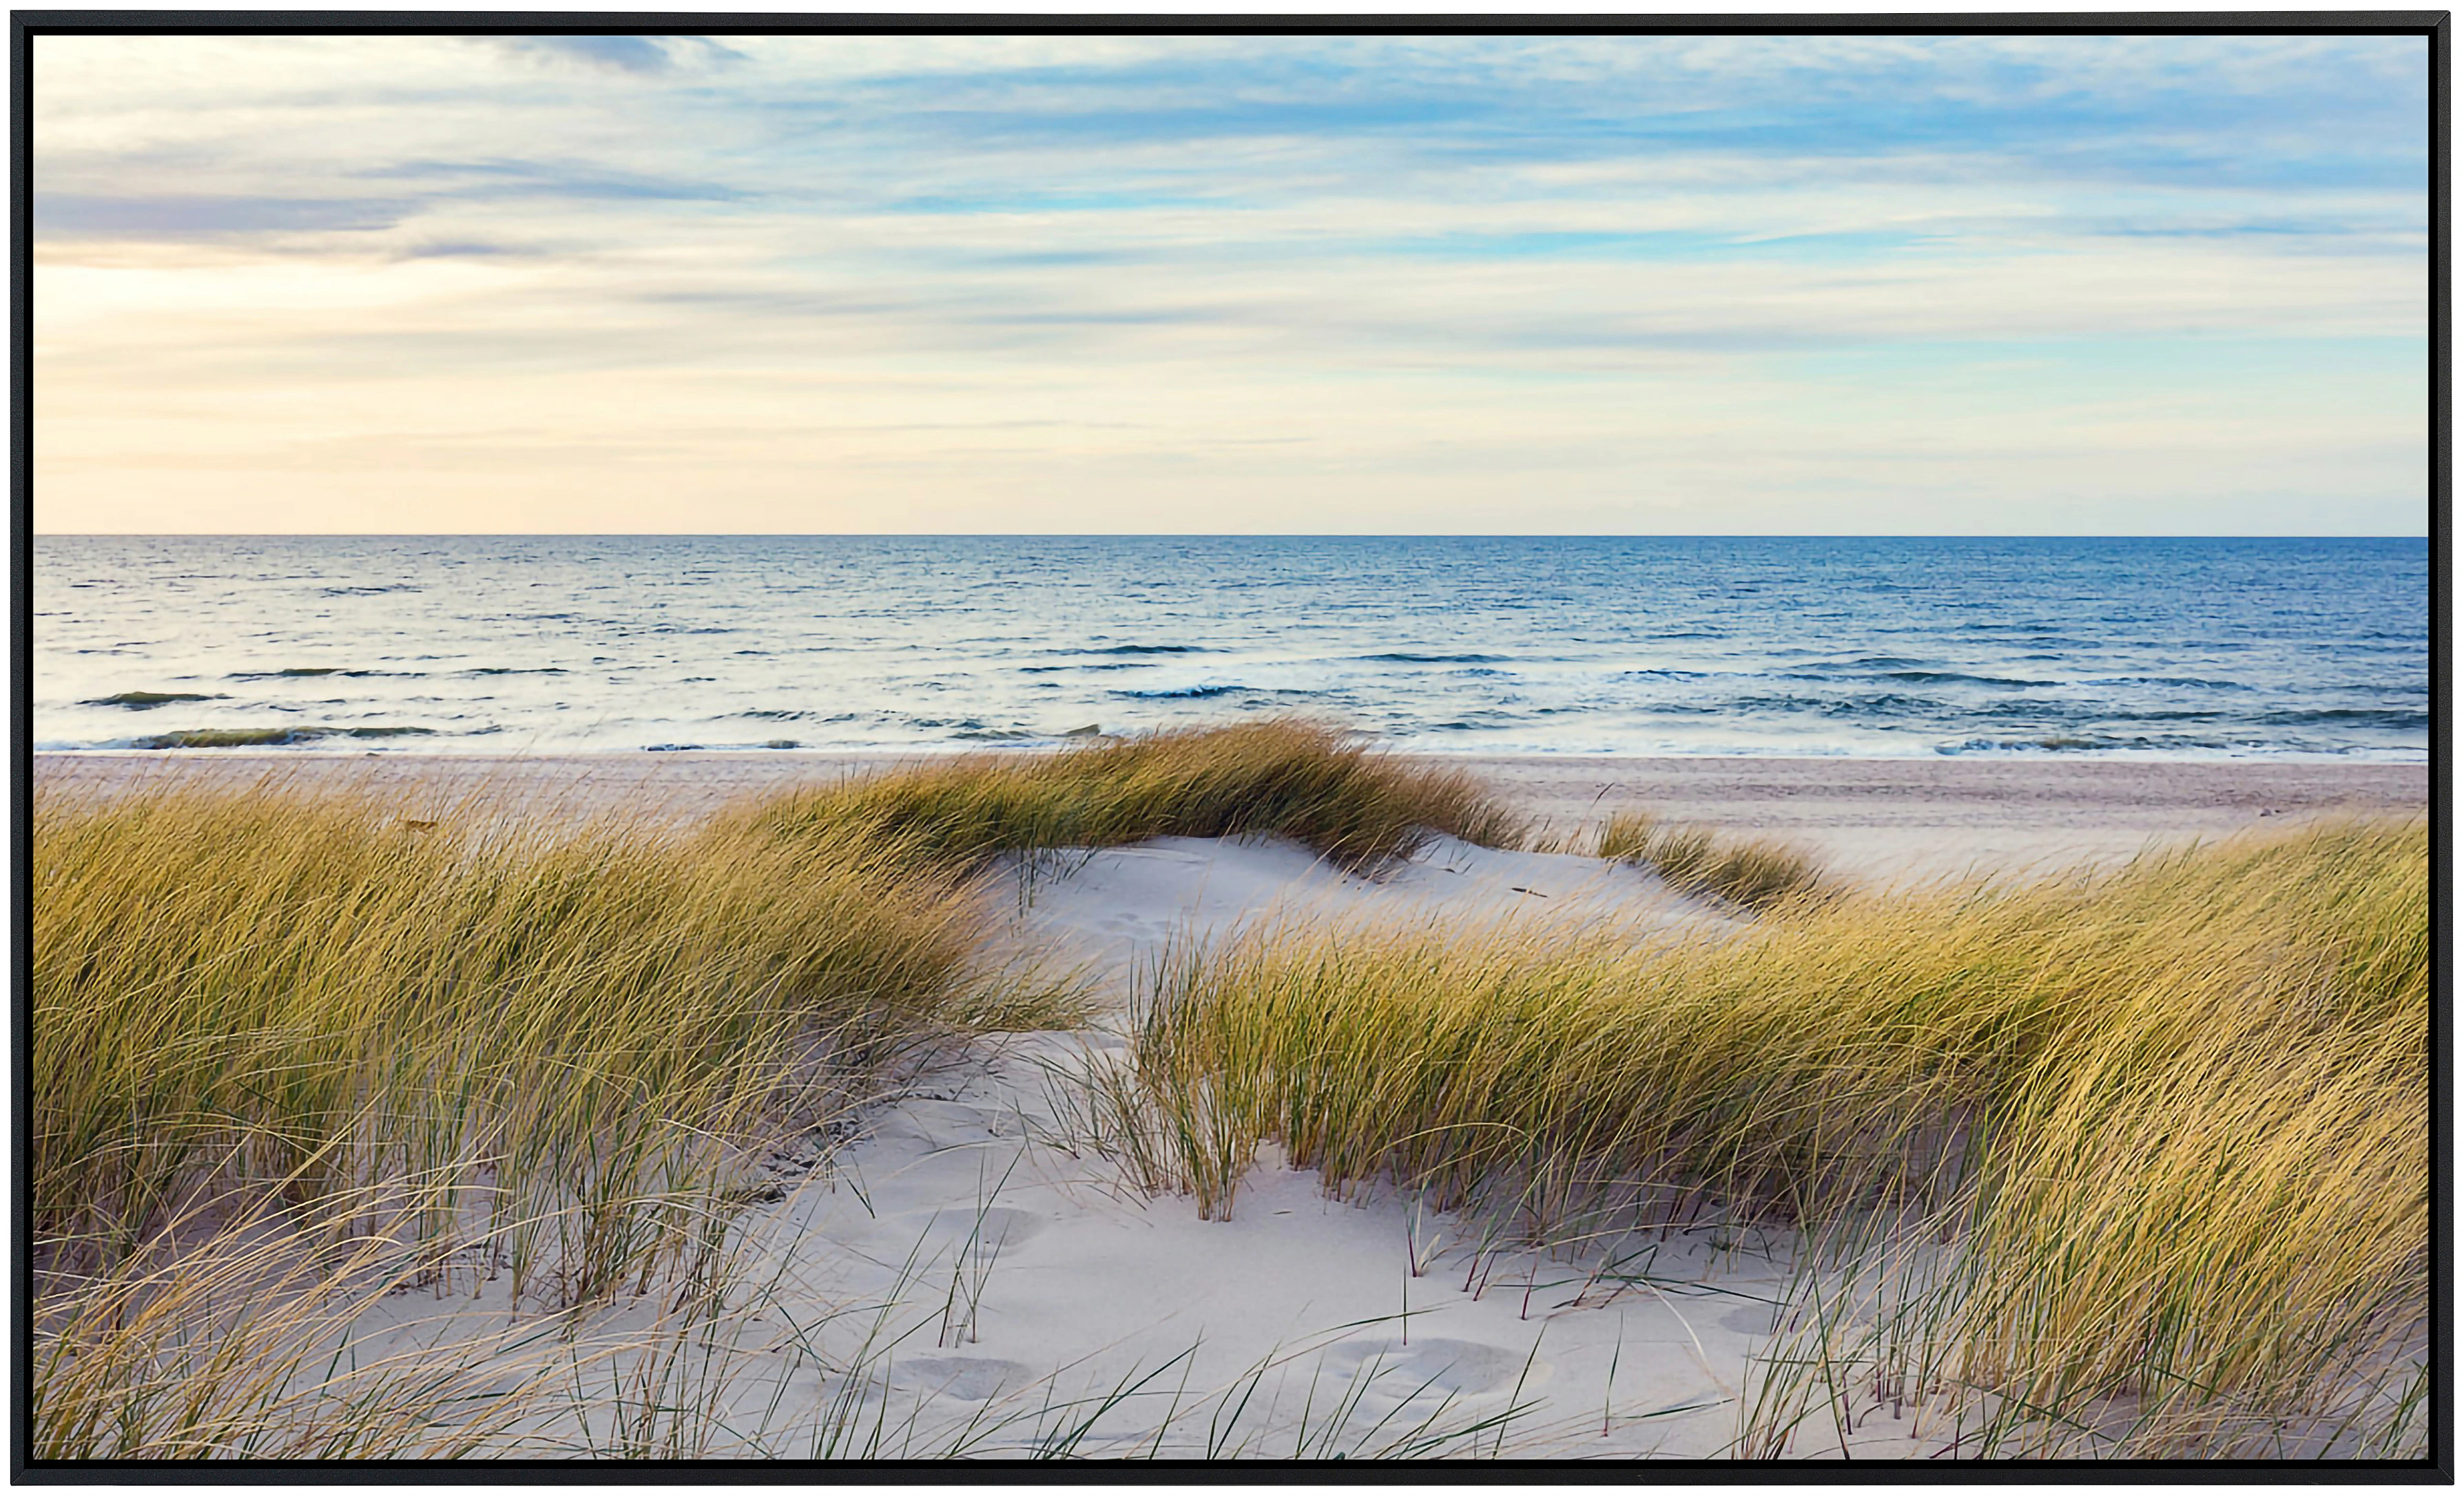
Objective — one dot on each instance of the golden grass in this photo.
(1753, 874)
(499, 1036)
(225, 1344)
(251, 986)
(1317, 784)
(2175, 1116)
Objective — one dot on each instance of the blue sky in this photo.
(1386, 285)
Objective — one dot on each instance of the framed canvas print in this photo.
(1324, 742)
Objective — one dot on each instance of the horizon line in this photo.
(1213, 535)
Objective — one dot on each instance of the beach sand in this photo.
(1881, 817)
(986, 1268)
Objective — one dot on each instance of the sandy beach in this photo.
(1001, 1283)
(1880, 817)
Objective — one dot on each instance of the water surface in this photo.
(1870, 647)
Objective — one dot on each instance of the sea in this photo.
(1814, 646)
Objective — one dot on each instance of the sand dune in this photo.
(966, 1274)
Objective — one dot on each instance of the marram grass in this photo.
(1758, 875)
(2174, 1119)
(271, 1021)
(240, 987)
(1284, 777)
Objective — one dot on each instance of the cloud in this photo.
(465, 249)
(177, 216)
(504, 178)
(643, 57)
(1582, 256)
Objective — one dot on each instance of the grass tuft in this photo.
(1758, 875)
(1284, 777)
(239, 988)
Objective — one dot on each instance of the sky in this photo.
(1290, 285)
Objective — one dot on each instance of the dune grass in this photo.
(237, 1340)
(1317, 784)
(274, 1025)
(233, 989)
(2174, 1118)
(1759, 875)
(293, 1051)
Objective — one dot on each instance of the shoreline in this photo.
(1876, 817)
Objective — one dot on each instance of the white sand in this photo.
(972, 1278)
(1071, 1286)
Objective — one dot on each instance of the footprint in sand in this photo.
(1002, 1229)
(1436, 1368)
(937, 1124)
(967, 1379)
(1753, 1319)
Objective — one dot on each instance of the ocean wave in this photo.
(516, 670)
(2184, 682)
(1962, 678)
(2013, 745)
(309, 671)
(2177, 715)
(1885, 705)
(1149, 649)
(2055, 743)
(1186, 693)
(147, 700)
(1110, 665)
(271, 736)
(774, 742)
(2397, 718)
(1406, 657)
(2070, 742)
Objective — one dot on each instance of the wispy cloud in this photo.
(1349, 270)
(642, 56)
(174, 215)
